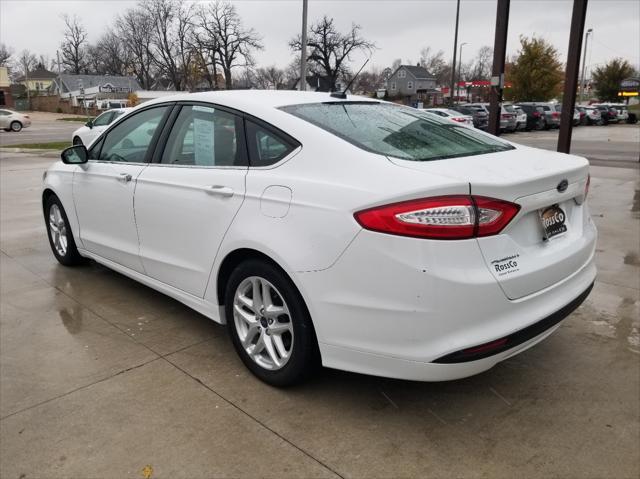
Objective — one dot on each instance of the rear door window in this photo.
(266, 145)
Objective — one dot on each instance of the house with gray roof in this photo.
(87, 90)
(413, 84)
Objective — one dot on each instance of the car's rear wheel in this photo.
(61, 239)
(269, 324)
(77, 141)
(16, 126)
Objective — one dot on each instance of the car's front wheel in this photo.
(16, 126)
(61, 239)
(269, 324)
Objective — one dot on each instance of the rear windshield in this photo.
(397, 131)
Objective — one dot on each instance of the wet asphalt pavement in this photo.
(102, 377)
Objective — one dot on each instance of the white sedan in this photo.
(452, 115)
(353, 233)
(13, 121)
(93, 128)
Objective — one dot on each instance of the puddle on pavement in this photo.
(632, 258)
(72, 319)
(612, 317)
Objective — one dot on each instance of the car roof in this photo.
(252, 100)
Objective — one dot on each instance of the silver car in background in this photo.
(13, 121)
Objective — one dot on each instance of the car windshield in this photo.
(397, 131)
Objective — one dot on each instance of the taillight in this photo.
(504, 116)
(442, 217)
(555, 114)
(536, 114)
(459, 119)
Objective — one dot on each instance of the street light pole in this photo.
(460, 68)
(303, 48)
(584, 64)
(455, 50)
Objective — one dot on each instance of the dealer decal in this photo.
(506, 265)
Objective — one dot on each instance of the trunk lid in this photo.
(520, 258)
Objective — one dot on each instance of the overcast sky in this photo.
(400, 28)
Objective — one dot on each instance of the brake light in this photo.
(442, 217)
(504, 116)
(555, 114)
(536, 114)
(459, 119)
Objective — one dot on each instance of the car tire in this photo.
(77, 141)
(59, 232)
(16, 126)
(281, 360)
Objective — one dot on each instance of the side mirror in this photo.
(75, 155)
(89, 124)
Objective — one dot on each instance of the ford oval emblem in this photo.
(562, 186)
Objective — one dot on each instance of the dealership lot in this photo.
(103, 377)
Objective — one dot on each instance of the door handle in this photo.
(219, 190)
(124, 177)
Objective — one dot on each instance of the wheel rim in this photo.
(15, 126)
(58, 230)
(263, 323)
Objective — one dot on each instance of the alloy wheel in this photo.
(58, 230)
(263, 323)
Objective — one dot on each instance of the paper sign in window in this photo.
(203, 142)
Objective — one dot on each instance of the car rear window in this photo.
(397, 131)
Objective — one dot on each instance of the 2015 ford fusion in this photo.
(364, 235)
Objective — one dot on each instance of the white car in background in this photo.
(451, 115)
(93, 128)
(13, 121)
(365, 235)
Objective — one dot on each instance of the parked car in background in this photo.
(607, 114)
(13, 121)
(551, 115)
(591, 115)
(92, 129)
(394, 242)
(509, 113)
(535, 116)
(451, 115)
(576, 117)
(521, 118)
(480, 116)
(620, 109)
(507, 118)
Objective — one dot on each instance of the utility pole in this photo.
(455, 50)
(571, 75)
(303, 49)
(460, 68)
(497, 72)
(584, 63)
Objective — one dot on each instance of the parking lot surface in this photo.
(103, 377)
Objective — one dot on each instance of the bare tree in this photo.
(171, 40)
(73, 44)
(270, 78)
(481, 66)
(5, 55)
(109, 56)
(435, 64)
(225, 34)
(331, 50)
(27, 62)
(135, 29)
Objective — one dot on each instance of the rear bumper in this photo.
(394, 307)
